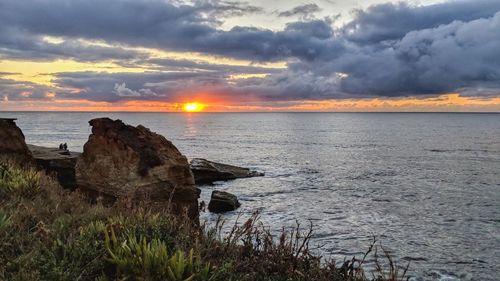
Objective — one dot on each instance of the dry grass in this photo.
(47, 233)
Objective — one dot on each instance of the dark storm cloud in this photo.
(386, 50)
(36, 49)
(303, 40)
(185, 65)
(112, 87)
(172, 86)
(447, 55)
(155, 23)
(227, 8)
(304, 11)
(428, 61)
(393, 21)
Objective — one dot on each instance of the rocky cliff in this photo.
(13, 148)
(122, 161)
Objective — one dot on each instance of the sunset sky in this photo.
(293, 55)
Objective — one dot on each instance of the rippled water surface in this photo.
(427, 185)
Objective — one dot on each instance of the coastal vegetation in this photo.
(48, 233)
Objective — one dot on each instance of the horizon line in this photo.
(218, 112)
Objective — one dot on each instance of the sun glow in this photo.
(193, 107)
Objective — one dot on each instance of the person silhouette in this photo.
(202, 206)
(65, 146)
(61, 146)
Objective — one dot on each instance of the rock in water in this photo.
(207, 171)
(13, 148)
(122, 161)
(222, 201)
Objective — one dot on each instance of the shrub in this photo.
(25, 182)
(138, 258)
(68, 258)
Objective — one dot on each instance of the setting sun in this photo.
(193, 107)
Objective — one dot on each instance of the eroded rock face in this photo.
(13, 148)
(206, 171)
(122, 161)
(222, 201)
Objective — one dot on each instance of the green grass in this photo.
(47, 233)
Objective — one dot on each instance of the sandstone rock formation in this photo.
(55, 161)
(13, 148)
(122, 161)
(205, 171)
(222, 201)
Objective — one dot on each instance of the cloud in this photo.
(285, 85)
(13, 90)
(17, 44)
(390, 50)
(217, 8)
(304, 11)
(122, 91)
(114, 87)
(385, 22)
(428, 61)
(185, 65)
(152, 23)
(5, 73)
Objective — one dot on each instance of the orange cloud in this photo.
(444, 103)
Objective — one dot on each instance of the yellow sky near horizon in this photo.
(43, 72)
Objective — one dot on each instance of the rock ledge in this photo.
(206, 171)
(56, 161)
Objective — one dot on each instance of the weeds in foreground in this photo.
(50, 234)
(18, 180)
(150, 260)
(4, 220)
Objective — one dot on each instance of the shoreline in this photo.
(111, 240)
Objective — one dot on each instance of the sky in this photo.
(318, 55)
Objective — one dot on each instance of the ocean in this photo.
(426, 185)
